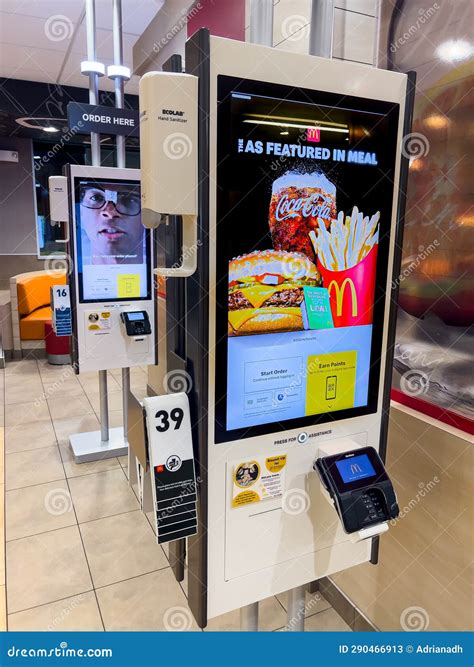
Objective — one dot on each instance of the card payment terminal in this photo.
(137, 323)
(359, 486)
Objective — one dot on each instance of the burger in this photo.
(266, 291)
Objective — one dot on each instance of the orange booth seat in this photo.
(33, 295)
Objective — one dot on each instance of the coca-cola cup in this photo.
(298, 200)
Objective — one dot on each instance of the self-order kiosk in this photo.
(289, 308)
(112, 271)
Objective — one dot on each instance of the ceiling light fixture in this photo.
(454, 50)
(50, 128)
(297, 125)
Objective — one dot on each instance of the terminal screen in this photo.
(355, 468)
(304, 212)
(113, 254)
(135, 317)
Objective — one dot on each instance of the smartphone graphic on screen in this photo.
(331, 387)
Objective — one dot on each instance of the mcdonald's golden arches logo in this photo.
(340, 290)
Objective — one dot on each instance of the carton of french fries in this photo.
(347, 260)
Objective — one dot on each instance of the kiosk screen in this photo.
(113, 253)
(304, 210)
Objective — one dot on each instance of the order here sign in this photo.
(85, 118)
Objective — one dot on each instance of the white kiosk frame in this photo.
(118, 350)
(245, 555)
(115, 349)
(245, 551)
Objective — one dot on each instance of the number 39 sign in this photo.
(172, 465)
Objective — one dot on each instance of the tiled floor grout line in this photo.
(61, 444)
(82, 523)
(38, 606)
(78, 528)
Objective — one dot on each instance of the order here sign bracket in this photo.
(85, 118)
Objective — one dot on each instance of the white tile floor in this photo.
(79, 553)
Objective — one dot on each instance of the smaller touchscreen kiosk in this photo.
(111, 284)
(112, 290)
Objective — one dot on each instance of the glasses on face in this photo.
(126, 203)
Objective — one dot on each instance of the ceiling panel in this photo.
(42, 40)
(32, 31)
(44, 8)
(136, 14)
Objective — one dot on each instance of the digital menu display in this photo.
(304, 208)
(113, 252)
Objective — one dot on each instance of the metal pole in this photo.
(93, 78)
(378, 18)
(322, 28)
(119, 82)
(261, 22)
(120, 143)
(104, 408)
(249, 618)
(296, 609)
(95, 153)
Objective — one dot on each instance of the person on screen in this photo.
(111, 220)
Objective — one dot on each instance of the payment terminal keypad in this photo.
(371, 507)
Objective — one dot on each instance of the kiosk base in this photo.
(88, 447)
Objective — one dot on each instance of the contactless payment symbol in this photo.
(173, 463)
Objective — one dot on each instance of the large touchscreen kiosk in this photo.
(304, 210)
(113, 252)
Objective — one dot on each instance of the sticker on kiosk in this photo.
(258, 479)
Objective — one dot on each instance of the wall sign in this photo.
(170, 450)
(87, 118)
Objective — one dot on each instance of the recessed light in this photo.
(454, 50)
(50, 128)
(37, 157)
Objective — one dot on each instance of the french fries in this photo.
(347, 242)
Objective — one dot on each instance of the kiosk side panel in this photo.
(197, 335)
